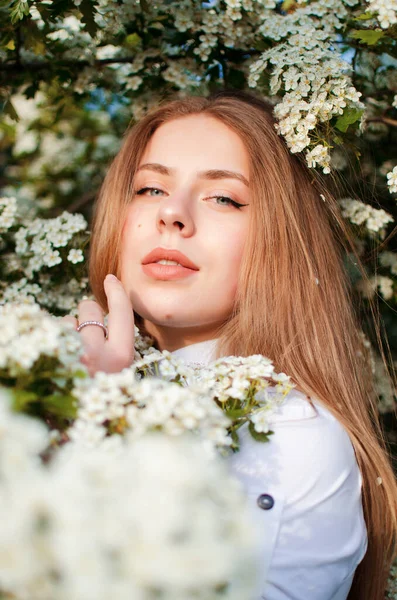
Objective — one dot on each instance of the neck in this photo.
(174, 338)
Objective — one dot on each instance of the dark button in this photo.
(265, 501)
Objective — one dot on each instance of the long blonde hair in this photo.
(294, 303)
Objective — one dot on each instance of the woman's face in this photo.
(190, 207)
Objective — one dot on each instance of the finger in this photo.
(72, 320)
(92, 335)
(121, 315)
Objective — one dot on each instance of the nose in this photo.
(174, 214)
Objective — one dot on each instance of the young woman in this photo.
(224, 243)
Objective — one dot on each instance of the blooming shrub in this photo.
(93, 522)
(74, 74)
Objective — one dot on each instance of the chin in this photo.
(180, 311)
(167, 316)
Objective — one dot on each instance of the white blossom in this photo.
(381, 282)
(96, 518)
(392, 181)
(389, 259)
(28, 333)
(75, 256)
(42, 244)
(386, 11)
(357, 212)
(8, 212)
(141, 405)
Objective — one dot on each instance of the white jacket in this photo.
(304, 491)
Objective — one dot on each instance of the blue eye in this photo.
(228, 202)
(143, 191)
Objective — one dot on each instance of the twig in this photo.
(386, 120)
(78, 204)
(46, 65)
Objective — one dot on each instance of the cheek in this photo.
(130, 243)
(229, 252)
(233, 244)
(132, 229)
(132, 220)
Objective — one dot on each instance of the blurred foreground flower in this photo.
(39, 359)
(150, 518)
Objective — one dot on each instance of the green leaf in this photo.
(80, 374)
(61, 405)
(132, 40)
(21, 398)
(237, 413)
(259, 437)
(51, 12)
(287, 5)
(156, 25)
(31, 90)
(350, 116)
(234, 436)
(33, 41)
(367, 36)
(337, 140)
(87, 8)
(18, 10)
(364, 17)
(8, 109)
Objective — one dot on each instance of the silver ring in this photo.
(97, 323)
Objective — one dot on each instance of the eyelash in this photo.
(232, 202)
(146, 189)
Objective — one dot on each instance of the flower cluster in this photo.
(122, 404)
(303, 67)
(29, 334)
(31, 250)
(392, 180)
(93, 522)
(57, 164)
(248, 389)
(8, 212)
(315, 88)
(385, 390)
(161, 392)
(374, 219)
(386, 11)
(391, 593)
(39, 361)
(389, 259)
(306, 67)
(62, 297)
(42, 239)
(381, 282)
(39, 358)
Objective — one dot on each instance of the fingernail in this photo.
(111, 277)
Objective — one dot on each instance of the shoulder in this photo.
(310, 479)
(309, 447)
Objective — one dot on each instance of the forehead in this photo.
(197, 142)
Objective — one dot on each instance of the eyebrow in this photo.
(211, 174)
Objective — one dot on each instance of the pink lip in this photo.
(168, 272)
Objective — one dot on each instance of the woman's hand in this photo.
(117, 352)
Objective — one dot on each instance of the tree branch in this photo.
(47, 66)
(43, 66)
(78, 204)
(386, 120)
